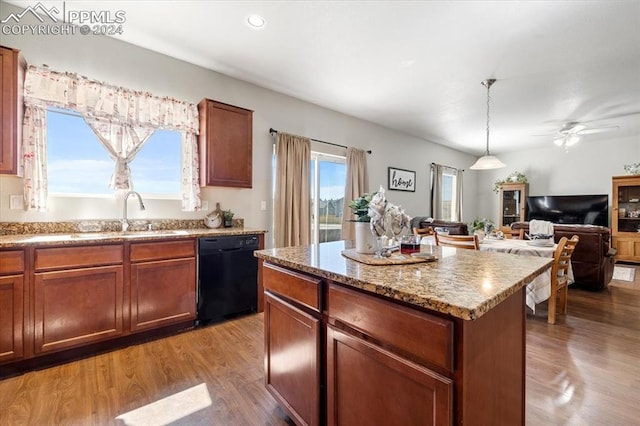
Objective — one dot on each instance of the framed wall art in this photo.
(401, 180)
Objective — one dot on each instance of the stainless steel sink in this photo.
(92, 235)
(160, 233)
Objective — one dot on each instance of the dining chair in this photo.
(458, 241)
(516, 234)
(424, 231)
(560, 276)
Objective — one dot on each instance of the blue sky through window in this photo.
(77, 162)
(332, 180)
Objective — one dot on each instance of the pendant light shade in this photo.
(488, 161)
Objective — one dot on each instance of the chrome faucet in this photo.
(125, 222)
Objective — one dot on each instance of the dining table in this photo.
(539, 289)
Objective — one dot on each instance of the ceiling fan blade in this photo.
(571, 128)
(597, 130)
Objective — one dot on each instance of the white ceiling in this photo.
(417, 66)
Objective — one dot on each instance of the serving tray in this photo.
(394, 259)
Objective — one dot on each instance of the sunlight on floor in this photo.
(169, 409)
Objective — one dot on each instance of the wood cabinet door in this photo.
(11, 81)
(11, 317)
(365, 382)
(628, 248)
(226, 140)
(292, 359)
(162, 293)
(76, 307)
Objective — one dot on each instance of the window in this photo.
(448, 196)
(445, 198)
(77, 163)
(156, 168)
(328, 176)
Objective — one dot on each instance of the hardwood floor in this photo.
(582, 371)
(209, 376)
(585, 370)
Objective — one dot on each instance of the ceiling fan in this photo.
(569, 134)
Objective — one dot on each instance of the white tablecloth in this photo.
(539, 289)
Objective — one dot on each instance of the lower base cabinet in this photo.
(11, 317)
(292, 359)
(365, 381)
(77, 307)
(162, 293)
(62, 298)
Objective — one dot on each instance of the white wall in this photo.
(586, 168)
(123, 64)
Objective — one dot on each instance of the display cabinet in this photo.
(512, 203)
(625, 218)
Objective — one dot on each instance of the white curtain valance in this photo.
(43, 86)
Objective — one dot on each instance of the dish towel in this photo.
(540, 227)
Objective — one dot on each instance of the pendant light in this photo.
(488, 161)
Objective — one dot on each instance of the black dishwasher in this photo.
(227, 277)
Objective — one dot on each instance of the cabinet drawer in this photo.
(11, 262)
(298, 287)
(421, 336)
(163, 250)
(79, 256)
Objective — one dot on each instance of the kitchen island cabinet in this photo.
(292, 320)
(432, 343)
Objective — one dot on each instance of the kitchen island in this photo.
(429, 343)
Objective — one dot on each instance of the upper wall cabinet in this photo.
(12, 68)
(226, 134)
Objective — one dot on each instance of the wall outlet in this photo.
(204, 205)
(263, 205)
(16, 202)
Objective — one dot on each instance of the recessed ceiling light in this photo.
(256, 21)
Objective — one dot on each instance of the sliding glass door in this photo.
(328, 176)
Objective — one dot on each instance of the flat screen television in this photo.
(574, 209)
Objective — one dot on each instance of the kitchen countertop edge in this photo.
(26, 240)
(433, 303)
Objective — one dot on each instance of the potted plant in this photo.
(228, 218)
(515, 177)
(360, 207)
(481, 226)
(365, 240)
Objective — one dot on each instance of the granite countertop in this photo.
(463, 283)
(23, 240)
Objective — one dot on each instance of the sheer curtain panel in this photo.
(292, 215)
(356, 185)
(34, 157)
